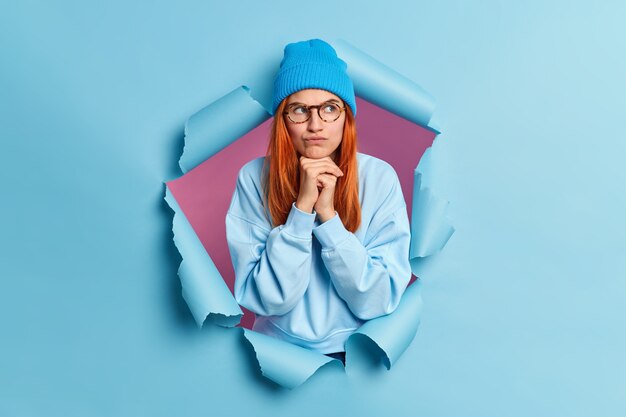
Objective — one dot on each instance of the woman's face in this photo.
(302, 133)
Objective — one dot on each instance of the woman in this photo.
(318, 233)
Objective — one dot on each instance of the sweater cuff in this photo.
(331, 233)
(299, 223)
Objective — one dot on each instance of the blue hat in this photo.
(312, 64)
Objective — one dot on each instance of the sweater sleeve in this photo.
(272, 267)
(370, 277)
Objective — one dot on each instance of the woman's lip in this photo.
(315, 139)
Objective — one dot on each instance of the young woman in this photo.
(318, 233)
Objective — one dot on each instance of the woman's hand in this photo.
(324, 206)
(315, 176)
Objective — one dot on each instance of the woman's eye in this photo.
(299, 110)
(330, 108)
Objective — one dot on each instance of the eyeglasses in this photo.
(328, 111)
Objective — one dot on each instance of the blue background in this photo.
(524, 311)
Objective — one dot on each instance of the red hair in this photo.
(281, 182)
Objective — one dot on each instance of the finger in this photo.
(326, 160)
(331, 170)
(327, 180)
(314, 167)
(325, 168)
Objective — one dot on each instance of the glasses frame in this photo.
(318, 107)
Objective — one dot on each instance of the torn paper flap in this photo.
(381, 85)
(285, 363)
(430, 227)
(218, 125)
(203, 288)
(394, 332)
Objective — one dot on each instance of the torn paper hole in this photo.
(218, 144)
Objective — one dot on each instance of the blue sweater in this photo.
(311, 283)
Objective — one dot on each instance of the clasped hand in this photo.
(318, 178)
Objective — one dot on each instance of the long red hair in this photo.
(281, 179)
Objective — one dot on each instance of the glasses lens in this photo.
(330, 112)
(298, 114)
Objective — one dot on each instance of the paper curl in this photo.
(430, 227)
(218, 125)
(203, 288)
(380, 85)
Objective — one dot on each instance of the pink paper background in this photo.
(205, 192)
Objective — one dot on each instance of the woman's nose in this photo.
(315, 122)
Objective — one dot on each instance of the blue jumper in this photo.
(311, 283)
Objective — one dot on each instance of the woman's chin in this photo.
(316, 153)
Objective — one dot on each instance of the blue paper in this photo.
(218, 125)
(204, 289)
(430, 227)
(284, 363)
(381, 85)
